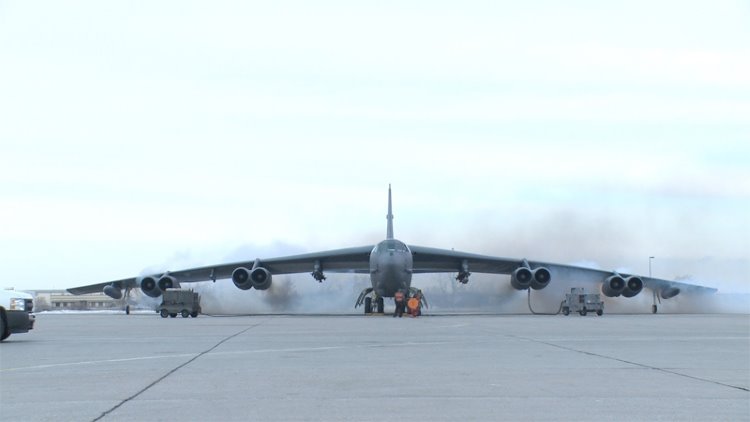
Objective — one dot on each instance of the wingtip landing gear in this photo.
(654, 308)
(126, 301)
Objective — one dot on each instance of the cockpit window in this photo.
(392, 245)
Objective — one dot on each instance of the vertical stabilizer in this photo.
(389, 235)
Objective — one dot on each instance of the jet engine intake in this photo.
(241, 278)
(521, 278)
(669, 292)
(150, 287)
(261, 278)
(613, 286)
(113, 291)
(167, 282)
(633, 286)
(541, 278)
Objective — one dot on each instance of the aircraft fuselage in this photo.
(391, 267)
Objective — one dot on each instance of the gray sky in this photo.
(165, 134)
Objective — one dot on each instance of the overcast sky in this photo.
(162, 134)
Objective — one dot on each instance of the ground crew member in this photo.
(400, 304)
(413, 305)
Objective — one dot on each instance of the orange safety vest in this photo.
(413, 303)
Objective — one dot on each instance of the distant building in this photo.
(56, 300)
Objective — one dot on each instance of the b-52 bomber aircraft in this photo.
(391, 264)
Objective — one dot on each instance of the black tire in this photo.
(127, 310)
(599, 312)
(368, 305)
(185, 313)
(173, 315)
(583, 312)
(653, 309)
(164, 313)
(4, 331)
(194, 314)
(380, 305)
(566, 311)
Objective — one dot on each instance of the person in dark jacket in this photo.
(400, 300)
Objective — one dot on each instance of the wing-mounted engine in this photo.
(540, 278)
(261, 278)
(524, 277)
(150, 286)
(241, 278)
(613, 285)
(617, 285)
(520, 279)
(258, 278)
(167, 282)
(633, 286)
(113, 291)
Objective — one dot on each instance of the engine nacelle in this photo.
(150, 287)
(521, 278)
(633, 286)
(167, 282)
(613, 286)
(261, 278)
(540, 278)
(113, 292)
(241, 278)
(669, 292)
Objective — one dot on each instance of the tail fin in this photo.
(389, 234)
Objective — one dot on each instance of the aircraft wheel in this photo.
(4, 332)
(583, 312)
(173, 315)
(380, 305)
(653, 309)
(368, 305)
(164, 313)
(185, 313)
(566, 311)
(194, 314)
(599, 312)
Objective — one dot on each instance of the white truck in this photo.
(580, 301)
(15, 313)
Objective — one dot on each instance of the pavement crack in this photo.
(655, 368)
(175, 369)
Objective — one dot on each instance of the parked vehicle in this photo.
(180, 301)
(580, 301)
(15, 313)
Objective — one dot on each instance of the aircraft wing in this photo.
(433, 260)
(97, 288)
(348, 260)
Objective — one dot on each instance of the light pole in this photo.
(649, 265)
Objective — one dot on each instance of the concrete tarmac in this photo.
(89, 367)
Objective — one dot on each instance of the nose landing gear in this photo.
(372, 301)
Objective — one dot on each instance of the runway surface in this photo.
(87, 367)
